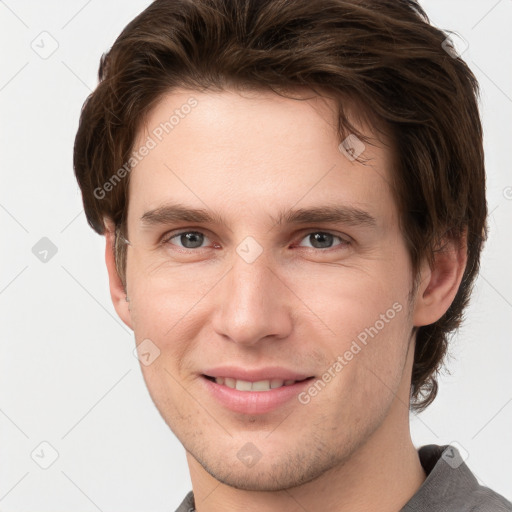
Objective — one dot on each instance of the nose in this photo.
(253, 303)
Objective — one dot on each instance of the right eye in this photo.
(186, 239)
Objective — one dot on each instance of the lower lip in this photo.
(253, 402)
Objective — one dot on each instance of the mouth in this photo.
(260, 385)
(254, 397)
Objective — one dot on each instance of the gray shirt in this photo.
(449, 487)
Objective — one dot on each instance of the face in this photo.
(292, 275)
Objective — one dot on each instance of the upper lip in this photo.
(255, 374)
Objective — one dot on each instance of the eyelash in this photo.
(166, 240)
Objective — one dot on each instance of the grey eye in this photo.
(189, 239)
(320, 240)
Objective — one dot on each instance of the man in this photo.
(292, 226)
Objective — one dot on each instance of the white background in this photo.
(67, 372)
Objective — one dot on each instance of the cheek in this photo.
(364, 377)
(170, 308)
(364, 316)
(348, 300)
(163, 295)
(165, 312)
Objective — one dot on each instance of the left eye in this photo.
(322, 240)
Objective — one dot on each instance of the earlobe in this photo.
(117, 289)
(440, 281)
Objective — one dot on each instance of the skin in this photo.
(248, 156)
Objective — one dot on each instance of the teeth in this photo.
(261, 385)
(276, 383)
(230, 383)
(243, 385)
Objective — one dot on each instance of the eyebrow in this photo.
(178, 213)
(172, 213)
(335, 214)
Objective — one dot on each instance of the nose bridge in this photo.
(254, 303)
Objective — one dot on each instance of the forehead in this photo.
(246, 149)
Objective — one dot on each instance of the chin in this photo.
(284, 471)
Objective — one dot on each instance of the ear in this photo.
(440, 281)
(117, 290)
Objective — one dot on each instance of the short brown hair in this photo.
(382, 53)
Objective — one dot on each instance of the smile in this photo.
(254, 396)
(245, 385)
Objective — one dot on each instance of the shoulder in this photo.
(484, 499)
(188, 504)
(450, 485)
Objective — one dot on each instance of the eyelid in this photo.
(344, 239)
(308, 231)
